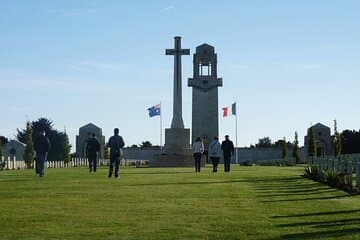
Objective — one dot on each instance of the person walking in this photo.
(116, 143)
(227, 147)
(198, 149)
(92, 150)
(41, 147)
(214, 151)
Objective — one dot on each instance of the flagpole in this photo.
(236, 137)
(160, 128)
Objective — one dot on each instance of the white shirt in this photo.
(198, 147)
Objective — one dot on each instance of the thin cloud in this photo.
(70, 12)
(300, 66)
(168, 8)
(102, 66)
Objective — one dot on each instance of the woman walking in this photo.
(198, 149)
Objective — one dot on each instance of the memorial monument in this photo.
(205, 83)
(177, 151)
(84, 133)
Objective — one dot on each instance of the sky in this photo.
(287, 64)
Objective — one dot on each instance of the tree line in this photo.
(59, 141)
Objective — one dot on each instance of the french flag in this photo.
(226, 110)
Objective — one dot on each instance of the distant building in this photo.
(84, 133)
(14, 148)
(323, 140)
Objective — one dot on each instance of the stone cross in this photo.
(177, 121)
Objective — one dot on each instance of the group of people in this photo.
(116, 143)
(215, 149)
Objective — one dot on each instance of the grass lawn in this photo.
(174, 203)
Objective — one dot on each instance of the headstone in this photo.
(205, 84)
(349, 170)
(358, 174)
(176, 151)
(84, 133)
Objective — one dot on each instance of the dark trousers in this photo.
(36, 166)
(114, 160)
(197, 157)
(92, 162)
(215, 162)
(41, 158)
(227, 163)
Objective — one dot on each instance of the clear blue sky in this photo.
(286, 63)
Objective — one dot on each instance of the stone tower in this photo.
(205, 83)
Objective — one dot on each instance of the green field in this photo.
(174, 203)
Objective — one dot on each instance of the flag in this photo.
(233, 108)
(226, 110)
(154, 110)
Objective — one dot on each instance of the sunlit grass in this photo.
(174, 203)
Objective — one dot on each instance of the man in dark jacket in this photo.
(116, 143)
(92, 150)
(41, 147)
(227, 147)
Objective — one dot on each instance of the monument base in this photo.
(177, 140)
(177, 151)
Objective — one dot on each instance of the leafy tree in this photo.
(350, 141)
(29, 149)
(296, 153)
(311, 144)
(146, 144)
(2, 162)
(3, 140)
(58, 149)
(284, 149)
(42, 124)
(337, 141)
(264, 142)
(65, 147)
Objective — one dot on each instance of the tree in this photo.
(284, 149)
(264, 142)
(29, 149)
(3, 140)
(42, 124)
(146, 144)
(66, 148)
(59, 150)
(337, 141)
(311, 144)
(296, 153)
(2, 163)
(350, 141)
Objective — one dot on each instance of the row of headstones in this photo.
(12, 163)
(340, 166)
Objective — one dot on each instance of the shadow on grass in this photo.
(297, 193)
(329, 223)
(154, 173)
(305, 199)
(317, 214)
(323, 234)
(184, 183)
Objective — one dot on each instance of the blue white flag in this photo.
(154, 110)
